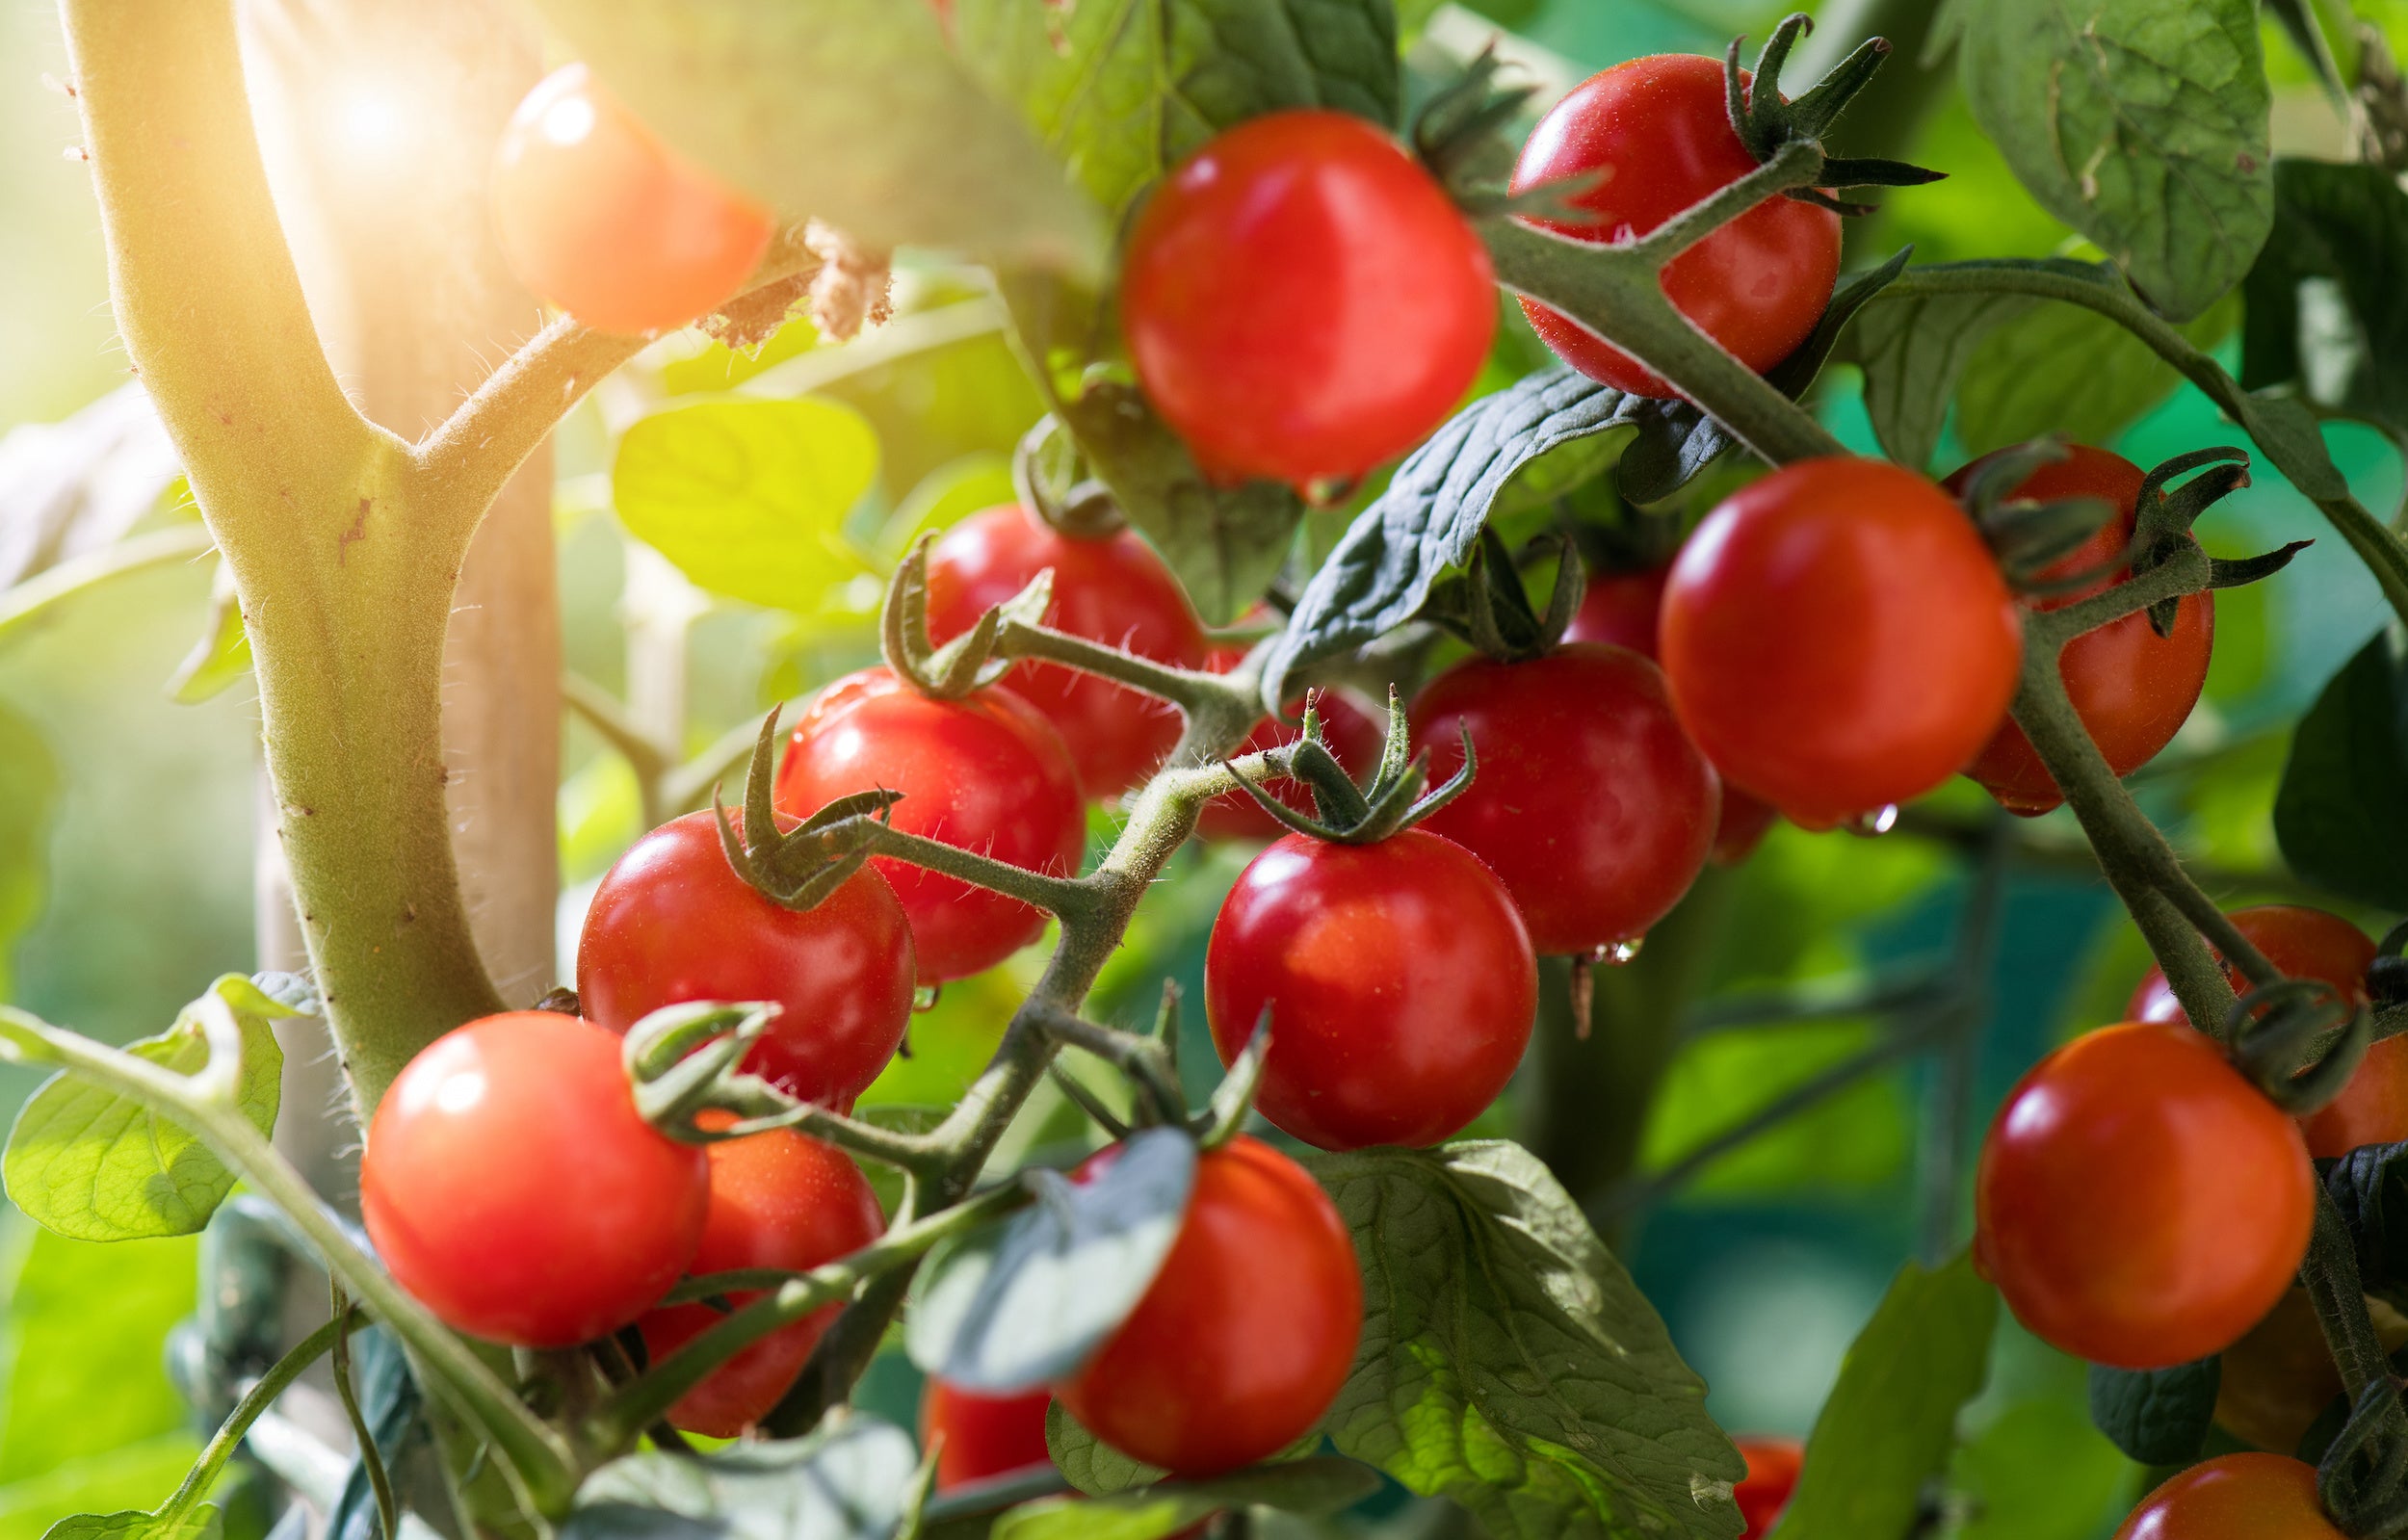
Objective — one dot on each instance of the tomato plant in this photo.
(1353, 735)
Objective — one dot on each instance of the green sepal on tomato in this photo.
(1351, 729)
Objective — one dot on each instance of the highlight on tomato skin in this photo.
(598, 216)
(2234, 1497)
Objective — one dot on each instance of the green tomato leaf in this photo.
(88, 1163)
(1891, 1420)
(1089, 1463)
(2066, 370)
(2041, 1472)
(29, 795)
(852, 111)
(1913, 348)
(1017, 1305)
(2158, 1416)
(749, 498)
(1123, 90)
(2326, 310)
(2340, 814)
(1508, 1363)
(1313, 1487)
(389, 1401)
(201, 1522)
(2142, 125)
(2369, 1187)
(84, 1383)
(1857, 1137)
(849, 1481)
(223, 654)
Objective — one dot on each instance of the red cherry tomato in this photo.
(1838, 638)
(1772, 1470)
(2305, 942)
(1745, 822)
(510, 1184)
(1620, 608)
(597, 217)
(1302, 301)
(2132, 688)
(777, 1200)
(1114, 591)
(1589, 802)
(2234, 1497)
(1248, 1331)
(1353, 732)
(986, 1436)
(1659, 130)
(984, 772)
(1400, 980)
(2138, 1202)
(673, 922)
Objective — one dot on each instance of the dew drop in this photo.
(924, 997)
(1619, 953)
(1881, 820)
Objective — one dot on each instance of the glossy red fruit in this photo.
(1398, 977)
(1302, 301)
(2139, 1203)
(1772, 1471)
(1112, 589)
(984, 772)
(2305, 942)
(1620, 608)
(777, 1200)
(1659, 131)
(2234, 1497)
(510, 1185)
(1838, 638)
(2132, 688)
(1352, 730)
(599, 218)
(986, 1436)
(1247, 1332)
(1589, 804)
(1745, 822)
(673, 922)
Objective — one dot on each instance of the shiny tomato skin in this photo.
(1303, 302)
(1773, 1465)
(2138, 1203)
(1114, 591)
(1248, 1331)
(2234, 1497)
(673, 922)
(1660, 131)
(1745, 820)
(1620, 608)
(984, 772)
(2132, 688)
(1353, 732)
(1838, 638)
(599, 218)
(986, 1436)
(510, 1184)
(2308, 943)
(1589, 802)
(779, 1199)
(1400, 984)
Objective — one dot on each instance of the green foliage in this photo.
(852, 111)
(847, 1481)
(90, 1163)
(2342, 812)
(2159, 1417)
(1089, 1463)
(1858, 1138)
(2040, 1471)
(29, 792)
(1309, 1487)
(2142, 127)
(1891, 1421)
(1509, 1362)
(1913, 348)
(2068, 371)
(750, 498)
(202, 1521)
(2326, 313)
(223, 654)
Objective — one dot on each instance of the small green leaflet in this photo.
(849, 1481)
(1089, 1463)
(1509, 1362)
(1890, 1423)
(201, 1523)
(2340, 814)
(92, 1164)
(1312, 1487)
(2156, 1415)
(749, 498)
(2326, 312)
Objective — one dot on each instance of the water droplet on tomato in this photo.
(1881, 820)
(1617, 954)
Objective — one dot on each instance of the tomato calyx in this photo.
(2029, 535)
(798, 867)
(1055, 480)
(971, 660)
(1398, 797)
(1766, 122)
(1149, 1062)
(2299, 1040)
(1485, 605)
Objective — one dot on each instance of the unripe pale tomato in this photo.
(1774, 1465)
(984, 772)
(1838, 638)
(1590, 803)
(1658, 130)
(1352, 732)
(599, 218)
(2305, 942)
(1400, 980)
(2139, 1203)
(673, 922)
(986, 1436)
(2234, 1497)
(1112, 589)
(777, 1200)
(1302, 300)
(1246, 1334)
(510, 1184)
(2132, 688)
